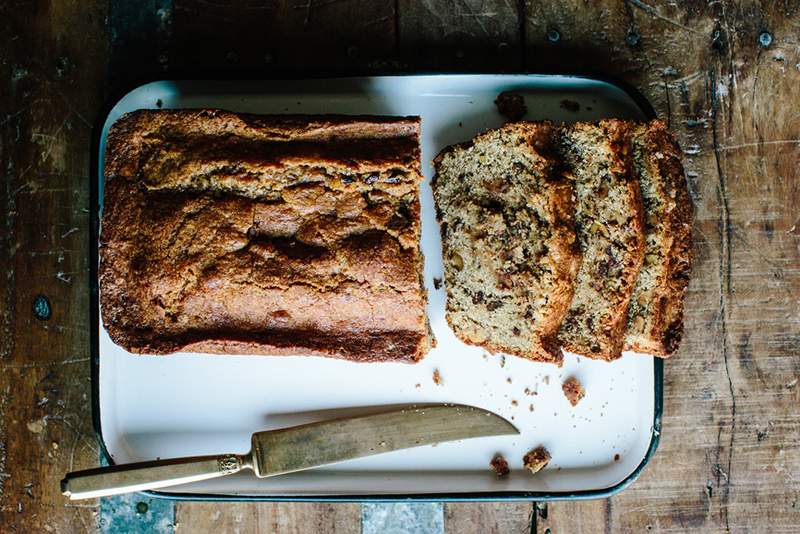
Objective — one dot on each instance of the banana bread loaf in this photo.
(655, 315)
(510, 256)
(610, 233)
(245, 234)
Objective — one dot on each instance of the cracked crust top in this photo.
(250, 234)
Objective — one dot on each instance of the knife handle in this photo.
(128, 478)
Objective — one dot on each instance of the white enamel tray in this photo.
(150, 407)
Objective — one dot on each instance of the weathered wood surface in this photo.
(730, 454)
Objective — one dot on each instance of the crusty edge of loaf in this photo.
(619, 135)
(245, 347)
(665, 335)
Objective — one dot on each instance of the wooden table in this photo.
(725, 75)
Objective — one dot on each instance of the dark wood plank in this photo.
(488, 517)
(286, 37)
(280, 518)
(465, 35)
(53, 70)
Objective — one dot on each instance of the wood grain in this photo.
(53, 67)
(279, 518)
(488, 517)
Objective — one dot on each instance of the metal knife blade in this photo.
(297, 448)
(303, 447)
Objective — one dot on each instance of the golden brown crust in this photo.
(510, 282)
(658, 327)
(605, 284)
(250, 234)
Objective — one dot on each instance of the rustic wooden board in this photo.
(52, 65)
(254, 518)
(730, 449)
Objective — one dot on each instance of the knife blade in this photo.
(287, 450)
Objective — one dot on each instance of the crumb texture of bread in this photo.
(246, 234)
(573, 390)
(610, 233)
(499, 465)
(510, 256)
(655, 315)
(536, 460)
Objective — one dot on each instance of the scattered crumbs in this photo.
(437, 377)
(546, 379)
(499, 465)
(508, 379)
(514, 402)
(502, 361)
(530, 407)
(570, 105)
(536, 459)
(437, 282)
(573, 390)
(511, 105)
(616, 457)
(417, 385)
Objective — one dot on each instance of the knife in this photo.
(286, 450)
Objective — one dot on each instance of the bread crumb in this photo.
(546, 379)
(573, 390)
(508, 379)
(530, 407)
(417, 385)
(437, 282)
(511, 105)
(536, 460)
(502, 361)
(437, 377)
(499, 465)
(616, 457)
(514, 402)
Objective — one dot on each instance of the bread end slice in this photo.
(655, 315)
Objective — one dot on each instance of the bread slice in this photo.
(509, 245)
(610, 233)
(655, 315)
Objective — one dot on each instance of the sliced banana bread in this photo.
(655, 315)
(510, 255)
(610, 233)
